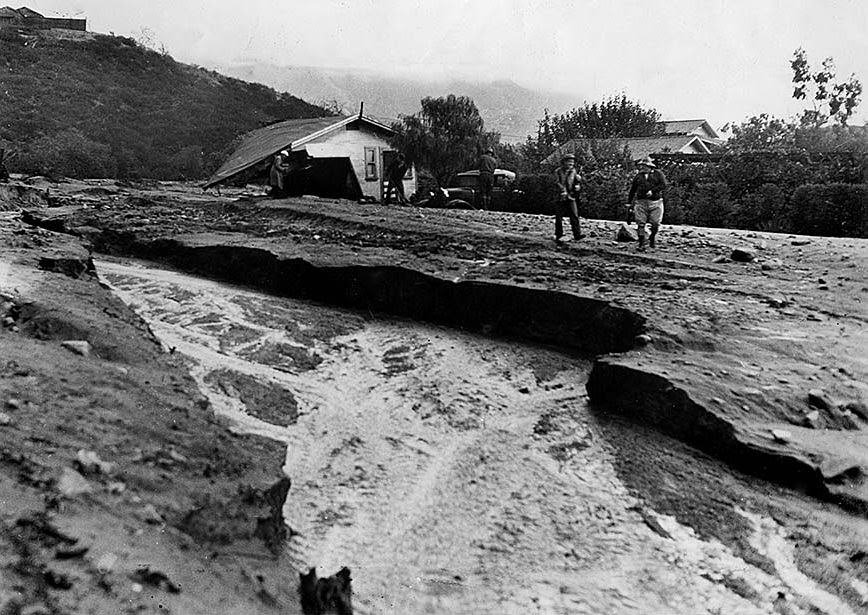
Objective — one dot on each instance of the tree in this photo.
(830, 100)
(616, 116)
(762, 132)
(445, 137)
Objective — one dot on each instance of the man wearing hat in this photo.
(567, 179)
(277, 174)
(646, 198)
(487, 165)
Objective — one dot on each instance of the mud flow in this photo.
(451, 473)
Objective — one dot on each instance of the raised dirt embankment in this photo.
(759, 363)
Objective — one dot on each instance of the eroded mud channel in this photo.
(450, 472)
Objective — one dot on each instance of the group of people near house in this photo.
(645, 197)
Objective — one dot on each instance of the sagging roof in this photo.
(260, 144)
(639, 147)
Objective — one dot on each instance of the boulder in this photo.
(625, 233)
(771, 264)
(742, 255)
(818, 399)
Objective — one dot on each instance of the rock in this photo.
(848, 420)
(13, 403)
(800, 242)
(777, 302)
(72, 484)
(720, 259)
(625, 233)
(5, 419)
(818, 399)
(524, 390)
(148, 513)
(642, 340)
(106, 562)
(81, 347)
(67, 265)
(858, 408)
(155, 578)
(771, 264)
(812, 420)
(603, 289)
(742, 255)
(781, 435)
(88, 462)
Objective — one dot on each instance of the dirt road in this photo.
(459, 474)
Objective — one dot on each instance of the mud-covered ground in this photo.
(746, 340)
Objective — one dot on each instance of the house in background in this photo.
(679, 137)
(25, 18)
(700, 128)
(340, 157)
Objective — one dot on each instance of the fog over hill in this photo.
(506, 107)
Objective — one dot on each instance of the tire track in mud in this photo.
(449, 472)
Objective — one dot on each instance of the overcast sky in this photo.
(719, 59)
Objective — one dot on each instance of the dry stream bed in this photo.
(454, 473)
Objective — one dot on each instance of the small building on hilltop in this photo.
(25, 18)
(340, 157)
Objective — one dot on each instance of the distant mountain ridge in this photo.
(508, 108)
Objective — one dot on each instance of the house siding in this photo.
(354, 142)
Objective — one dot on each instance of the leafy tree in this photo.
(445, 137)
(830, 99)
(616, 116)
(762, 133)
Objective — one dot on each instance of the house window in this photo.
(371, 163)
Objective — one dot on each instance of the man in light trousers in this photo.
(646, 198)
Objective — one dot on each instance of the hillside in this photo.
(100, 105)
(506, 107)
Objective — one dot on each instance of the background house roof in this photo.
(262, 143)
(639, 147)
(26, 12)
(688, 127)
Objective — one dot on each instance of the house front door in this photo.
(389, 157)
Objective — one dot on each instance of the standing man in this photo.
(487, 165)
(567, 179)
(277, 174)
(395, 180)
(646, 197)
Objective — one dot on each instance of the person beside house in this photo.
(487, 165)
(568, 182)
(646, 198)
(395, 178)
(277, 174)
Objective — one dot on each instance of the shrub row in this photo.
(834, 209)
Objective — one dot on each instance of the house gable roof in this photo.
(28, 13)
(684, 127)
(639, 147)
(260, 144)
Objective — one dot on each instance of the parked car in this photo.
(464, 192)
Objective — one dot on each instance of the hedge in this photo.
(835, 210)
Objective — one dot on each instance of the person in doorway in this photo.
(568, 181)
(395, 180)
(487, 165)
(646, 198)
(277, 174)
